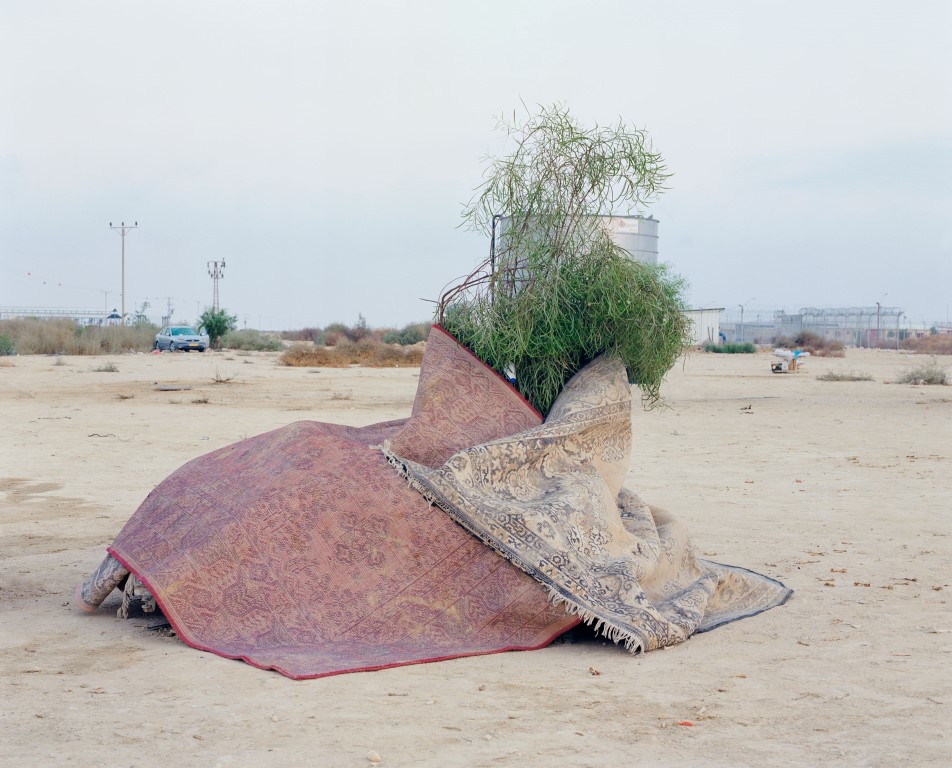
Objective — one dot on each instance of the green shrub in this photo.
(731, 348)
(603, 303)
(557, 291)
(413, 333)
(217, 323)
(6, 346)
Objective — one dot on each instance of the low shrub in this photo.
(37, 336)
(306, 356)
(935, 344)
(851, 376)
(6, 346)
(336, 333)
(413, 333)
(813, 343)
(367, 351)
(250, 339)
(832, 351)
(730, 348)
(930, 373)
(313, 335)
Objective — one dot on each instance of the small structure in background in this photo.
(705, 325)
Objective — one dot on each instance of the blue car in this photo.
(180, 337)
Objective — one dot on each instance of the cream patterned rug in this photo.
(550, 500)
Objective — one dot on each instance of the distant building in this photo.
(705, 325)
(78, 316)
(851, 326)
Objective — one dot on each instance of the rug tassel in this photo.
(633, 643)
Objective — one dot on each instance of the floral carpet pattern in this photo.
(302, 550)
(550, 499)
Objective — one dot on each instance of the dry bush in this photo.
(35, 336)
(336, 333)
(935, 344)
(814, 343)
(395, 356)
(930, 373)
(249, 338)
(368, 352)
(851, 376)
(306, 356)
(313, 335)
(39, 337)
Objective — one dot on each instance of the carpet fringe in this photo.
(633, 643)
(400, 465)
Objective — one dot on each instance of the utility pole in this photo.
(169, 311)
(216, 271)
(742, 334)
(122, 229)
(879, 318)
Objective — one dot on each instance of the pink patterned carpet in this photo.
(302, 550)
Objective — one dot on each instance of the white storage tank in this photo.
(638, 235)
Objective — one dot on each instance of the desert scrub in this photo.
(558, 292)
(413, 333)
(934, 344)
(314, 335)
(851, 376)
(250, 339)
(731, 348)
(368, 352)
(35, 336)
(929, 373)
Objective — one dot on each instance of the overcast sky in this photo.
(324, 149)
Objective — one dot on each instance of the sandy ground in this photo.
(841, 490)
